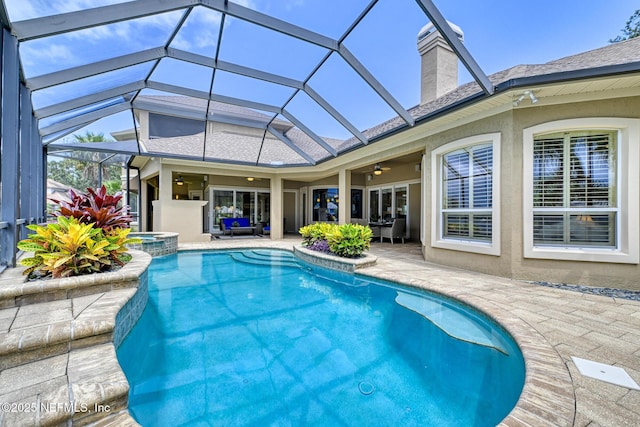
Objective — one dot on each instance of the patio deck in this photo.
(550, 325)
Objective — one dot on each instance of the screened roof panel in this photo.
(90, 85)
(267, 50)
(276, 153)
(191, 146)
(233, 143)
(185, 74)
(239, 86)
(317, 77)
(328, 17)
(350, 95)
(307, 144)
(199, 33)
(89, 156)
(75, 151)
(394, 61)
(316, 118)
(60, 52)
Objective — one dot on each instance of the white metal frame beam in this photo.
(291, 145)
(84, 119)
(87, 100)
(46, 26)
(95, 68)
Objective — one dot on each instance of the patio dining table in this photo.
(376, 226)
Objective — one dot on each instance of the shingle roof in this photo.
(624, 52)
(615, 54)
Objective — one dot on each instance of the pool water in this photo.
(259, 338)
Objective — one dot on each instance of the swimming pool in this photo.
(257, 337)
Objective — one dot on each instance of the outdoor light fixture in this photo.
(250, 178)
(526, 93)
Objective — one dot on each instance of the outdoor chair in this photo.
(396, 231)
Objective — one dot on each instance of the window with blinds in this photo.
(467, 185)
(574, 191)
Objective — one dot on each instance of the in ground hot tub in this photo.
(155, 243)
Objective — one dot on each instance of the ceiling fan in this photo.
(377, 169)
(180, 181)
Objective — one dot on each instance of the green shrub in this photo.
(347, 240)
(314, 232)
(350, 240)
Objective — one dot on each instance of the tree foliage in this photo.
(631, 28)
(81, 171)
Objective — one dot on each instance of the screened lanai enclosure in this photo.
(300, 83)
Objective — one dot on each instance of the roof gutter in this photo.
(559, 77)
(567, 76)
(422, 119)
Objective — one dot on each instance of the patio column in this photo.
(344, 191)
(276, 208)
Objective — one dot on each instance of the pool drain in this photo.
(366, 388)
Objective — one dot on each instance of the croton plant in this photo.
(89, 236)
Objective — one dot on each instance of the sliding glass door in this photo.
(229, 203)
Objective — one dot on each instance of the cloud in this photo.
(52, 53)
(293, 4)
(20, 9)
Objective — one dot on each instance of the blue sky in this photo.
(498, 33)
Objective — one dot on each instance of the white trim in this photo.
(437, 240)
(628, 181)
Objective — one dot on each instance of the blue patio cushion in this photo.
(242, 222)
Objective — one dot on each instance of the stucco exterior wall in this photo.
(180, 216)
(511, 262)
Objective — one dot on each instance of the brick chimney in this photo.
(439, 71)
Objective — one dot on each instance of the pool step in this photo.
(452, 322)
(82, 387)
(276, 259)
(36, 331)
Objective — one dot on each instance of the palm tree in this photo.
(85, 168)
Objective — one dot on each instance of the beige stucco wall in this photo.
(415, 202)
(511, 262)
(180, 216)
